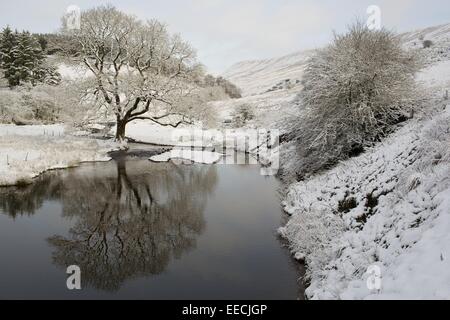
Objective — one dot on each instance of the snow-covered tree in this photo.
(355, 90)
(21, 58)
(140, 70)
(8, 42)
(242, 115)
(48, 75)
(28, 58)
(229, 88)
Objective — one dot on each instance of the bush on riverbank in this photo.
(356, 90)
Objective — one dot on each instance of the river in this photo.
(142, 230)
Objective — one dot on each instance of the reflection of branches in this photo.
(27, 199)
(131, 225)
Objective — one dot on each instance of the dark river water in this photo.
(141, 230)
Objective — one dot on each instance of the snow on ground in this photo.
(269, 108)
(198, 156)
(27, 151)
(54, 130)
(73, 72)
(150, 132)
(260, 144)
(440, 34)
(436, 75)
(389, 207)
(440, 43)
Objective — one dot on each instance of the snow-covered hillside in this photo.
(438, 34)
(259, 76)
(438, 38)
(269, 108)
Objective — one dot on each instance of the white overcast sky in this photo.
(228, 31)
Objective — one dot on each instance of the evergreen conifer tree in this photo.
(8, 42)
(28, 58)
(21, 57)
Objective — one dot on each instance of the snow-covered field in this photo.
(73, 72)
(54, 130)
(27, 151)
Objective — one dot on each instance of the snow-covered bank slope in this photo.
(27, 151)
(389, 207)
(258, 76)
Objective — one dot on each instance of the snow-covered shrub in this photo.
(356, 90)
(49, 75)
(12, 108)
(198, 103)
(242, 115)
(39, 104)
(311, 235)
(427, 44)
(229, 88)
(43, 105)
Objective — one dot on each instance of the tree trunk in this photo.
(120, 131)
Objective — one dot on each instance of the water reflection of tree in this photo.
(133, 224)
(130, 222)
(27, 199)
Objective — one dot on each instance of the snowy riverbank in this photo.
(389, 208)
(378, 226)
(27, 151)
